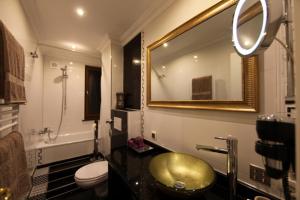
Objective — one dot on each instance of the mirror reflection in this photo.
(198, 65)
(250, 23)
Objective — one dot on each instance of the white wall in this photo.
(213, 60)
(116, 72)
(297, 66)
(105, 113)
(13, 16)
(181, 130)
(72, 119)
(235, 88)
(112, 82)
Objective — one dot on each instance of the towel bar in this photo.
(8, 119)
(9, 115)
(8, 126)
(9, 111)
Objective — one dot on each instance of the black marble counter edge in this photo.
(245, 191)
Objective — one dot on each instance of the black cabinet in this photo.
(132, 73)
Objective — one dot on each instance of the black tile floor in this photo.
(56, 181)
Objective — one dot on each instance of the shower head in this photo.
(64, 71)
(34, 55)
(64, 68)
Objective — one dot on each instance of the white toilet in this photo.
(92, 175)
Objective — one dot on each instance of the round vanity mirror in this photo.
(255, 24)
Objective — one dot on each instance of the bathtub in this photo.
(67, 145)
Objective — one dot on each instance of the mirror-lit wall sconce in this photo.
(254, 28)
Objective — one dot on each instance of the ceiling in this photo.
(56, 23)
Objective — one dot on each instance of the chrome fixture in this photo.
(64, 87)
(64, 71)
(264, 18)
(34, 54)
(45, 130)
(96, 141)
(232, 161)
(63, 101)
(111, 123)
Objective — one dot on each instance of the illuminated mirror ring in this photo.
(261, 37)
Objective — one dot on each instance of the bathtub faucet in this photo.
(45, 130)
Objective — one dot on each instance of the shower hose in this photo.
(63, 108)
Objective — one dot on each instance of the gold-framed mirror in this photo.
(196, 67)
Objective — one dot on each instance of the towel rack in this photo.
(9, 114)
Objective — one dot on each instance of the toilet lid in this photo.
(92, 171)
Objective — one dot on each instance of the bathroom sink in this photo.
(181, 175)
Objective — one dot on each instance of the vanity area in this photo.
(130, 178)
(190, 99)
(196, 85)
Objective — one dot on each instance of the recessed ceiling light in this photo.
(74, 47)
(195, 56)
(71, 63)
(164, 67)
(165, 44)
(80, 12)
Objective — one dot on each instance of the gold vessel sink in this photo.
(181, 174)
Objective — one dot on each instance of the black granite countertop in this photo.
(132, 169)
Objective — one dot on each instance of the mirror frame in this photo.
(250, 71)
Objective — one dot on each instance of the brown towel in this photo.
(202, 88)
(12, 68)
(13, 166)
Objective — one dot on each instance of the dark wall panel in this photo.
(132, 73)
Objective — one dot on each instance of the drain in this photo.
(179, 185)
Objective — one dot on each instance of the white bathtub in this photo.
(66, 146)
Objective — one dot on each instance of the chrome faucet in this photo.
(45, 130)
(232, 161)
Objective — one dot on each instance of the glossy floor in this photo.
(56, 181)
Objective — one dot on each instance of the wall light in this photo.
(136, 61)
(74, 47)
(165, 45)
(80, 12)
(235, 26)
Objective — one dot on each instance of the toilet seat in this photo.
(92, 174)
